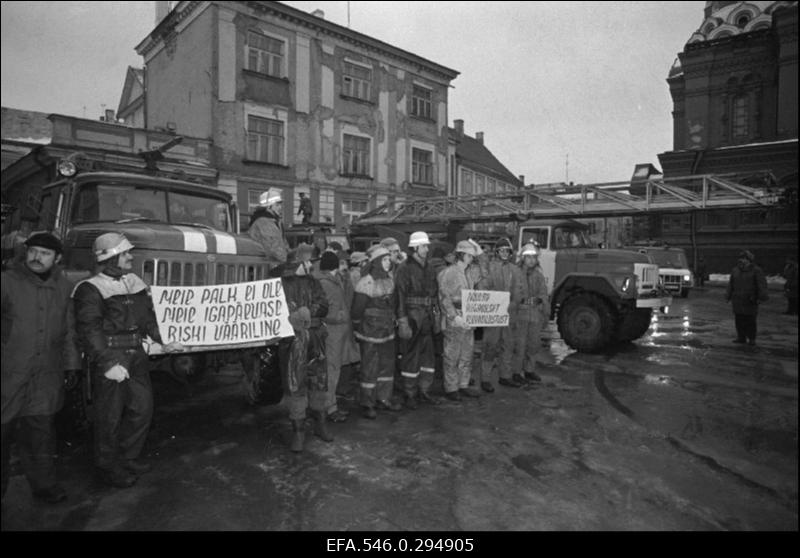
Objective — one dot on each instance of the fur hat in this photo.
(45, 240)
(747, 255)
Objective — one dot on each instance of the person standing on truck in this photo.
(458, 336)
(374, 312)
(418, 318)
(114, 315)
(498, 342)
(266, 226)
(39, 345)
(747, 288)
(302, 357)
(532, 311)
(338, 326)
(305, 208)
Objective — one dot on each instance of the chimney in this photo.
(479, 137)
(110, 115)
(318, 13)
(522, 179)
(459, 124)
(162, 10)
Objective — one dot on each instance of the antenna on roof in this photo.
(348, 15)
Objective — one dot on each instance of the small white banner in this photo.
(485, 308)
(222, 314)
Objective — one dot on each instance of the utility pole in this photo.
(566, 168)
(348, 15)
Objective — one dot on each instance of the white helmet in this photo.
(418, 239)
(270, 197)
(108, 245)
(530, 249)
(466, 247)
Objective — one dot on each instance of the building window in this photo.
(252, 200)
(264, 140)
(357, 81)
(355, 155)
(480, 184)
(740, 116)
(421, 102)
(491, 186)
(466, 182)
(264, 54)
(352, 209)
(422, 166)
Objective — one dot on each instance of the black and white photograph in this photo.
(400, 276)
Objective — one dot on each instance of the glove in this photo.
(403, 329)
(300, 318)
(174, 347)
(118, 373)
(460, 322)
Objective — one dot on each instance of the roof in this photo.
(475, 155)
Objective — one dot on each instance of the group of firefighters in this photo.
(395, 306)
(382, 309)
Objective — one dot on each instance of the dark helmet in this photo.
(504, 243)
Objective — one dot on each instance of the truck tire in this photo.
(634, 324)
(586, 323)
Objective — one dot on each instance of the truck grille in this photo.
(646, 277)
(169, 273)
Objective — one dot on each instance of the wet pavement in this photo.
(681, 430)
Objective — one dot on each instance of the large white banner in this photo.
(485, 308)
(222, 314)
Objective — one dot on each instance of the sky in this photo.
(563, 91)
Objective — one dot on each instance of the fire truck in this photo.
(599, 297)
(184, 233)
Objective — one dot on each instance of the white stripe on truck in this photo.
(193, 241)
(226, 243)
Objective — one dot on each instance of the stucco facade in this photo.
(293, 101)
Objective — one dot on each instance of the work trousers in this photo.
(377, 372)
(497, 349)
(418, 361)
(309, 393)
(746, 326)
(36, 441)
(123, 413)
(458, 346)
(335, 342)
(527, 331)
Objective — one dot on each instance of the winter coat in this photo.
(531, 286)
(338, 322)
(108, 312)
(267, 229)
(417, 293)
(502, 276)
(38, 341)
(746, 289)
(374, 307)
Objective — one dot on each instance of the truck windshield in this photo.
(125, 203)
(669, 258)
(564, 237)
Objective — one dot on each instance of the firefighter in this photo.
(498, 342)
(302, 357)
(114, 315)
(417, 316)
(458, 336)
(374, 313)
(532, 310)
(266, 226)
(396, 253)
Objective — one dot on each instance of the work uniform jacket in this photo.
(374, 308)
(113, 316)
(38, 341)
(267, 229)
(337, 319)
(452, 280)
(502, 276)
(530, 294)
(417, 293)
(746, 289)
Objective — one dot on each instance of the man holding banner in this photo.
(532, 313)
(302, 357)
(498, 342)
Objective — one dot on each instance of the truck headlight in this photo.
(687, 278)
(67, 168)
(626, 284)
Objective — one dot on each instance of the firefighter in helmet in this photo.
(532, 311)
(266, 226)
(114, 316)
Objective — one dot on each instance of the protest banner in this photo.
(222, 314)
(485, 308)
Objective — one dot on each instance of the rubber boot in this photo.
(298, 435)
(410, 400)
(321, 426)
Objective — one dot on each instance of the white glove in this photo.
(174, 347)
(460, 322)
(118, 373)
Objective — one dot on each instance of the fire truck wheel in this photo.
(586, 323)
(634, 324)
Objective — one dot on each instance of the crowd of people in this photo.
(387, 313)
